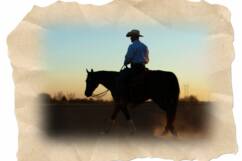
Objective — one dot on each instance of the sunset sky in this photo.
(69, 49)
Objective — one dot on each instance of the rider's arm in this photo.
(146, 56)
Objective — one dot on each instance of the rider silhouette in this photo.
(137, 55)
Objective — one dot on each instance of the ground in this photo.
(76, 120)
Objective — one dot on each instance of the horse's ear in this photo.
(91, 70)
(87, 71)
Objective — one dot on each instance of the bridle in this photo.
(101, 94)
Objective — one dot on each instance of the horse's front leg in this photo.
(125, 111)
(112, 119)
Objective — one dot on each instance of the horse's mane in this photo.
(106, 74)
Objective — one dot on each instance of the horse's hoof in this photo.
(109, 127)
(165, 132)
(103, 133)
(132, 131)
(106, 131)
(174, 133)
(132, 127)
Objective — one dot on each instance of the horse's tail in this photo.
(175, 86)
(176, 83)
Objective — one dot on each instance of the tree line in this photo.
(61, 97)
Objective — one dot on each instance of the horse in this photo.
(161, 87)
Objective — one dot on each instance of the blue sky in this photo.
(69, 49)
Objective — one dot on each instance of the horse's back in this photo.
(164, 82)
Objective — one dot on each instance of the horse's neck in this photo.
(107, 80)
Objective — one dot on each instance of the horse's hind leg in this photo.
(170, 117)
(170, 109)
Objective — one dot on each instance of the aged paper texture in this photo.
(32, 77)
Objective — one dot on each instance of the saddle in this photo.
(136, 85)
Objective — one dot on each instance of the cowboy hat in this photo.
(133, 33)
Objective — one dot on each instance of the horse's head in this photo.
(91, 83)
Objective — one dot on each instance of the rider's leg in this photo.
(121, 83)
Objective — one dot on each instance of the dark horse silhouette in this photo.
(160, 86)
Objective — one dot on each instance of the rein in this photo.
(100, 94)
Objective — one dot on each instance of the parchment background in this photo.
(30, 79)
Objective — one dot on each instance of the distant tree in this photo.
(90, 100)
(84, 100)
(190, 99)
(63, 99)
(70, 96)
(193, 99)
(44, 97)
(60, 96)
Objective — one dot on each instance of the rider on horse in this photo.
(137, 55)
(135, 85)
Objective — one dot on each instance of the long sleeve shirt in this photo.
(137, 53)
